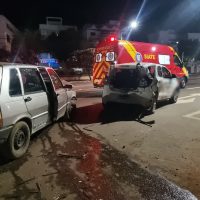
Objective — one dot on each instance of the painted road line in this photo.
(182, 101)
(193, 88)
(190, 96)
(193, 115)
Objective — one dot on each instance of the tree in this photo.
(63, 44)
(25, 47)
(190, 48)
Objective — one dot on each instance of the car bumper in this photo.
(4, 133)
(144, 99)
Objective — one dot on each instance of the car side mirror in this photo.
(67, 86)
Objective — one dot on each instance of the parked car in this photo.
(142, 84)
(31, 97)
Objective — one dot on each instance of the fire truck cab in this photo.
(111, 51)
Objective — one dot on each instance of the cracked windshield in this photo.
(100, 100)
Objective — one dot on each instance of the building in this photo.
(93, 33)
(53, 25)
(194, 36)
(163, 37)
(7, 33)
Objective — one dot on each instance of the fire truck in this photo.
(114, 51)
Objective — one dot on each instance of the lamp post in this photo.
(132, 26)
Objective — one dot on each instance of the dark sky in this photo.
(154, 15)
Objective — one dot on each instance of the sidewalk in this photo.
(76, 78)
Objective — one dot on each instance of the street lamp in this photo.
(132, 26)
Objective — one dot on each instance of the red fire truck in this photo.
(111, 51)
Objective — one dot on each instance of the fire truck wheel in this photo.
(183, 82)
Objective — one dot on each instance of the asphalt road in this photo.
(113, 155)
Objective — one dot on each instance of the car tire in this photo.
(151, 109)
(18, 141)
(69, 112)
(174, 98)
(183, 82)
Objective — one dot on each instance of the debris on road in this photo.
(61, 196)
(70, 156)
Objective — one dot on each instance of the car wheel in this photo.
(107, 106)
(18, 141)
(174, 98)
(183, 82)
(151, 109)
(69, 112)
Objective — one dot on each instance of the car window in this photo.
(166, 73)
(159, 71)
(152, 70)
(32, 81)
(177, 61)
(164, 59)
(44, 74)
(55, 79)
(1, 69)
(14, 85)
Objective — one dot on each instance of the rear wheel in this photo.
(18, 141)
(174, 98)
(69, 112)
(151, 109)
(183, 82)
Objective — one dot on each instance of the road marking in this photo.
(192, 95)
(182, 101)
(192, 115)
(193, 88)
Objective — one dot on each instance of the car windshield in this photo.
(129, 78)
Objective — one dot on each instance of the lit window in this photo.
(164, 59)
(92, 33)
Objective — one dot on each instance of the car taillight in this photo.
(1, 120)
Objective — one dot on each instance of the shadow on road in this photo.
(97, 114)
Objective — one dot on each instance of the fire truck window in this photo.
(177, 61)
(159, 71)
(164, 59)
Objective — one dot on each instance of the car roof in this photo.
(19, 65)
(130, 65)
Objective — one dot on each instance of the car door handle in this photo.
(27, 99)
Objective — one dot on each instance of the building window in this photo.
(9, 28)
(92, 33)
(8, 38)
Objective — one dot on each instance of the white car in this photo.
(31, 97)
(140, 83)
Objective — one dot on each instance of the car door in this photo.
(163, 82)
(169, 82)
(60, 92)
(35, 96)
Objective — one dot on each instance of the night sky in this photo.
(154, 15)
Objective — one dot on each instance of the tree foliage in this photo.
(63, 44)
